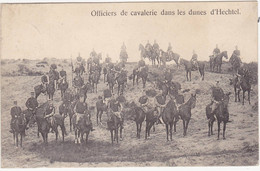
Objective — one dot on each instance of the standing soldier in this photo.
(216, 51)
(194, 60)
(32, 103)
(15, 112)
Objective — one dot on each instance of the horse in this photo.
(39, 89)
(42, 122)
(143, 74)
(135, 76)
(51, 90)
(211, 62)
(58, 121)
(188, 68)
(151, 119)
(82, 127)
(111, 80)
(18, 127)
(218, 60)
(166, 57)
(63, 85)
(245, 85)
(237, 88)
(113, 125)
(105, 73)
(83, 90)
(220, 110)
(121, 80)
(210, 114)
(143, 51)
(94, 79)
(170, 117)
(137, 114)
(101, 107)
(235, 62)
(185, 112)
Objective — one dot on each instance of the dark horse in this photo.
(113, 125)
(245, 84)
(121, 81)
(59, 122)
(185, 112)
(188, 68)
(210, 114)
(105, 73)
(82, 127)
(18, 127)
(143, 74)
(63, 85)
(94, 79)
(51, 90)
(42, 123)
(111, 80)
(218, 61)
(135, 76)
(220, 110)
(166, 57)
(39, 89)
(101, 107)
(170, 116)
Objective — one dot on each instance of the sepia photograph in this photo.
(129, 84)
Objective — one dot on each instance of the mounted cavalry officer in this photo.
(93, 53)
(155, 45)
(16, 111)
(63, 74)
(194, 60)
(114, 107)
(49, 112)
(79, 65)
(148, 46)
(216, 51)
(32, 103)
(123, 47)
(78, 83)
(81, 109)
(169, 49)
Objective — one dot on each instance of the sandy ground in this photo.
(196, 149)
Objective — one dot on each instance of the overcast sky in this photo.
(61, 30)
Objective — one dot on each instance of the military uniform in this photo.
(194, 60)
(156, 46)
(148, 47)
(216, 51)
(93, 54)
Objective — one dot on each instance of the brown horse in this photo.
(51, 90)
(188, 68)
(39, 89)
(111, 80)
(82, 127)
(18, 127)
(210, 114)
(101, 107)
(185, 112)
(151, 118)
(220, 110)
(237, 88)
(170, 116)
(121, 82)
(218, 60)
(63, 85)
(245, 84)
(114, 124)
(94, 79)
(58, 121)
(135, 76)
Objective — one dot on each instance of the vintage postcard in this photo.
(129, 84)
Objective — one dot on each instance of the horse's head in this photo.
(193, 100)
(225, 54)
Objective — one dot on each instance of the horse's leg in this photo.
(63, 131)
(190, 75)
(76, 136)
(187, 75)
(243, 96)
(146, 129)
(70, 122)
(153, 128)
(219, 68)
(140, 129)
(174, 123)
(112, 139)
(87, 133)
(218, 129)
(249, 96)
(116, 135)
(16, 135)
(46, 138)
(97, 115)
(224, 130)
(167, 131)
(21, 139)
(235, 89)
(186, 127)
(121, 130)
(96, 87)
(238, 92)
(209, 125)
(171, 124)
(184, 133)
(211, 128)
